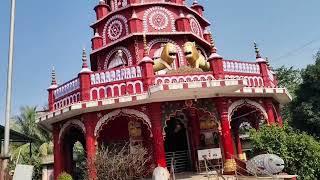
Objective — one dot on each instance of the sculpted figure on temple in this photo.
(195, 57)
(168, 55)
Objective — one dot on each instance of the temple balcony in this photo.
(129, 86)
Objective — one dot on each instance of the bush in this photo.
(122, 162)
(64, 176)
(300, 151)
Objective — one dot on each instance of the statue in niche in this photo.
(164, 59)
(134, 129)
(194, 57)
(208, 123)
(118, 60)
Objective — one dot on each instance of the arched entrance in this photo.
(188, 130)
(124, 130)
(177, 144)
(73, 143)
(245, 116)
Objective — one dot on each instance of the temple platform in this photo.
(212, 176)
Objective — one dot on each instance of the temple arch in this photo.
(243, 102)
(76, 123)
(125, 112)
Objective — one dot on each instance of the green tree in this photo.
(25, 123)
(301, 152)
(289, 78)
(306, 106)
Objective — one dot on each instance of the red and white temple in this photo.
(156, 79)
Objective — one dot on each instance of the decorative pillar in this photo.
(51, 89)
(230, 163)
(197, 7)
(207, 35)
(135, 24)
(215, 61)
(238, 143)
(147, 67)
(96, 41)
(195, 123)
(182, 23)
(158, 144)
(89, 122)
(269, 109)
(101, 9)
(84, 77)
(195, 126)
(263, 67)
(57, 151)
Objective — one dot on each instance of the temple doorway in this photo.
(74, 155)
(177, 143)
(244, 118)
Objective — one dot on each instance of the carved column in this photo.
(269, 109)
(58, 166)
(195, 127)
(90, 121)
(230, 163)
(238, 144)
(158, 144)
(84, 78)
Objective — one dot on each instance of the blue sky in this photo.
(54, 33)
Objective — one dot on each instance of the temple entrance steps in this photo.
(180, 162)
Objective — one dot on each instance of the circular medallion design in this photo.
(194, 26)
(159, 20)
(115, 30)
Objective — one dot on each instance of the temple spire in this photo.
(258, 55)
(145, 46)
(84, 58)
(257, 50)
(85, 67)
(146, 58)
(53, 76)
(213, 46)
(267, 62)
(214, 54)
(54, 83)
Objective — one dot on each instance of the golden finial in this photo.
(145, 46)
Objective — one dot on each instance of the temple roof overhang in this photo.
(165, 93)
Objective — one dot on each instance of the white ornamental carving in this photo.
(115, 20)
(158, 18)
(195, 26)
(115, 30)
